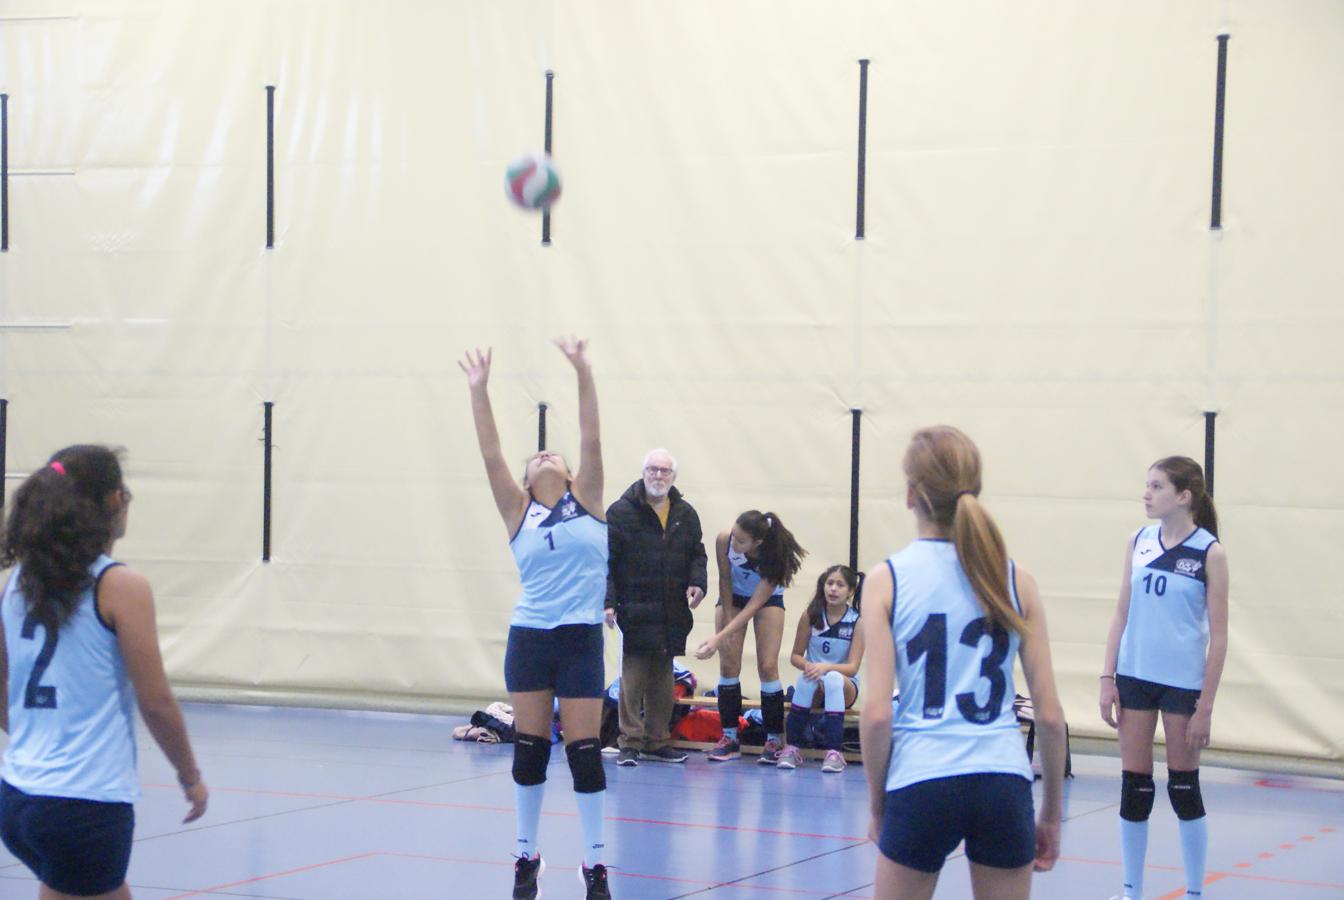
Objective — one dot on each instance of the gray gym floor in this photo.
(328, 804)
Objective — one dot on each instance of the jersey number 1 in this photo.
(37, 695)
(932, 639)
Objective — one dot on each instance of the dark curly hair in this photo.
(59, 523)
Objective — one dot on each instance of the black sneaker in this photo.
(668, 754)
(595, 882)
(628, 756)
(526, 872)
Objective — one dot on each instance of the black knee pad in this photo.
(772, 711)
(730, 704)
(585, 764)
(531, 756)
(1137, 792)
(1183, 789)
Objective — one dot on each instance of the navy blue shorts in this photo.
(1137, 694)
(566, 660)
(739, 601)
(991, 812)
(72, 846)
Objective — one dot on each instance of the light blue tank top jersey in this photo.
(745, 575)
(71, 706)
(831, 642)
(955, 713)
(562, 561)
(1166, 636)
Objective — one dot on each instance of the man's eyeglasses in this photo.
(662, 471)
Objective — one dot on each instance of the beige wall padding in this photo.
(1038, 270)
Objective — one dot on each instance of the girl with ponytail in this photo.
(80, 650)
(1165, 654)
(945, 617)
(758, 558)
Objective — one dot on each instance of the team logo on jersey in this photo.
(846, 632)
(1145, 551)
(1188, 567)
(568, 509)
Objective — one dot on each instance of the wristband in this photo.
(1112, 677)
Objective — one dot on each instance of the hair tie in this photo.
(57, 467)
(961, 494)
(769, 522)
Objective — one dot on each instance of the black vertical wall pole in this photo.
(541, 427)
(1216, 211)
(854, 490)
(546, 145)
(4, 173)
(267, 436)
(1208, 451)
(270, 166)
(4, 442)
(863, 148)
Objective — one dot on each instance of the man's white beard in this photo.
(653, 491)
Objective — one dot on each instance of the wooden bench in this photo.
(851, 718)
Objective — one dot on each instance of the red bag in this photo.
(701, 725)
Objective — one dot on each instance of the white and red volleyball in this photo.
(532, 181)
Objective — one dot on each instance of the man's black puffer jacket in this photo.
(650, 569)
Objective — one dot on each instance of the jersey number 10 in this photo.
(932, 639)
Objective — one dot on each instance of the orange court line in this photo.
(309, 868)
(1219, 876)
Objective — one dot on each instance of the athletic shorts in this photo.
(991, 812)
(73, 846)
(739, 601)
(1137, 694)
(566, 660)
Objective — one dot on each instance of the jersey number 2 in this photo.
(37, 695)
(932, 639)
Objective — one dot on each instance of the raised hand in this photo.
(477, 368)
(575, 350)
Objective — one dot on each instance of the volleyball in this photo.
(532, 181)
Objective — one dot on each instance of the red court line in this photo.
(220, 887)
(476, 807)
(1284, 786)
(620, 873)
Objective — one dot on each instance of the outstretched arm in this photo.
(510, 499)
(587, 485)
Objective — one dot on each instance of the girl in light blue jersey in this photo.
(1165, 653)
(945, 617)
(827, 647)
(758, 558)
(558, 535)
(78, 651)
